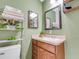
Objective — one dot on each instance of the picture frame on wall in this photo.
(32, 20)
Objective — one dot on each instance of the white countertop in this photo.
(50, 39)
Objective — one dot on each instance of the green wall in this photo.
(70, 28)
(26, 5)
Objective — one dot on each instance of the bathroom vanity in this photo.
(44, 50)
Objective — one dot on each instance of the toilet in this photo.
(10, 52)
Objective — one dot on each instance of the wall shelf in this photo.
(16, 30)
(72, 9)
(5, 41)
(11, 27)
(7, 30)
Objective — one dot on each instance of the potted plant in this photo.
(42, 34)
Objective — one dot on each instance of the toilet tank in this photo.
(10, 52)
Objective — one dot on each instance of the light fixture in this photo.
(42, 0)
(53, 1)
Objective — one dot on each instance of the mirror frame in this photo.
(59, 25)
(32, 23)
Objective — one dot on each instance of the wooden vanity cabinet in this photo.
(43, 54)
(41, 50)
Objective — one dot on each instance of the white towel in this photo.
(9, 16)
(12, 13)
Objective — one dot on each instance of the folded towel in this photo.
(9, 16)
(12, 13)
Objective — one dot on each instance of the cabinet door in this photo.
(60, 53)
(43, 54)
(34, 56)
(47, 47)
(49, 55)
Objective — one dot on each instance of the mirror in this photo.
(53, 18)
(32, 20)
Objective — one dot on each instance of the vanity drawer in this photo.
(34, 56)
(34, 42)
(47, 47)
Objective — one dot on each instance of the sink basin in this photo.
(54, 39)
(51, 39)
